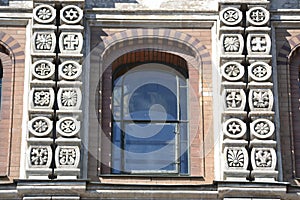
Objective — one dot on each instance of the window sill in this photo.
(151, 179)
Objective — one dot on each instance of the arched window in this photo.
(150, 121)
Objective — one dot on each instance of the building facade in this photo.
(140, 99)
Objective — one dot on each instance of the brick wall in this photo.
(13, 41)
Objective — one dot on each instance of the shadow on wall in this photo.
(106, 3)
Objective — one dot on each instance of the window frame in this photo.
(181, 158)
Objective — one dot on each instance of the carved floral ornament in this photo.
(235, 99)
(70, 70)
(40, 126)
(232, 71)
(71, 14)
(263, 158)
(234, 128)
(262, 128)
(44, 42)
(261, 99)
(42, 98)
(42, 69)
(260, 71)
(258, 16)
(39, 156)
(44, 14)
(236, 158)
(68, 126)
(231, 16)
(67, 156)
(232, 43)
(69, 98)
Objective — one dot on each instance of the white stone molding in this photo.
(234, 128)
(68, 126)
(236, 158)
(257, 16)
(232, 44)
(43, 41)
(71, 14)
(69, 98)
(67, 156)
(258, 44)
(235, 99)
(261, 99)
(69, 70)
(40, 126)
(41, 98)
(70, 42)
(232, 71)
(259, 71)
(44, 14)
(263, 158)
(231, 16)
(43, 69)
(39, 156)
(262, 129)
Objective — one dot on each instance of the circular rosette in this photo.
(231, 16)
(262, 128)
(232, 71)
(260, 71)
(42, 69)
(40, 126)
(70, 70)
(68, 126)
(258, 16)
(234, 128)
(71, 14)
(44, 14)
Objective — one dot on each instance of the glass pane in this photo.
(153, 101)
(116, 148)
(150, 147)
(184, 148)
(183, 103)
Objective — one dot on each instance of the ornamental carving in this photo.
(263, 158)
(261, 99)
(231, 16)
(44, 42)
(258, 16)
(235, 99)
(69, 98)
(67, 156)
(258, 44)
(236, 158)
(70, 70)
(232, 43)
(42, 98)
(71, 14)
(234, 128)
(232, 71)
(40, 126)
(70, 42)
(68, 126)
(39, 156)
(42, 69)
(44, 14)
(262, 128)
(260, 71)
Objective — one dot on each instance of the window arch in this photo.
(150, 124)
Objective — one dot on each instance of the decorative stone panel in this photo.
(258, 44)
(43, 41)
(235, 99)
(232, 71)
(236, 158)
(44, 14)
(71, 14)
(43, 69)
(262, 129)
(68, 126)
(70, 42)
(232, 44)
(259, 71)
(41, 98)
(69, 98)
(67, 156)
(258, 16)
(231, 16)
(39, 156)
(234, 128)
(69, 70)
(261, 99)
(40, 126)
